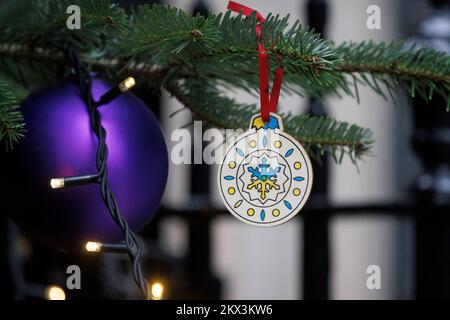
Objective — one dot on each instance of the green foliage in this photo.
(316, 134)
(193, 56)
(42, 23)
(12, 127)
(160, 32)
(421, 71)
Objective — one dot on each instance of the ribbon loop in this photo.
(268, 102)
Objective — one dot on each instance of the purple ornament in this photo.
(61, 143)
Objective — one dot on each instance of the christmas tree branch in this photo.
(418, 70)
(317, 134)
(164, 45)
(11, 120)
(340, 137)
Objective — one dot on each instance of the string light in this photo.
(157, 291)
(127, 84)
(131, 241)
(54, 293)
(122, 87)
(92, 246)
(58, 183)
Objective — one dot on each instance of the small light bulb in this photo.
(92, 246)
(157, 291)
(127, 84)
(54, 293)
(57, 183)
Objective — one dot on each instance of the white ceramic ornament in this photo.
(266, 175)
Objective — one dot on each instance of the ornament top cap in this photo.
(275, 122)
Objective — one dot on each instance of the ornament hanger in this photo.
(269, 103)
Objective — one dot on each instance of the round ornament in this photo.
(61, 143)
(266, 175)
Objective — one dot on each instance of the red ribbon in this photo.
(268, 103)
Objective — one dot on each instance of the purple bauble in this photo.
(60, 143)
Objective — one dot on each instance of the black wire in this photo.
(131, 240)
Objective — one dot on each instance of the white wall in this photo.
(359, 242)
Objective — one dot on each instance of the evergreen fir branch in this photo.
(317, 134)
(223, 48)
(44, 24)
(161, 31)
(422, 71)
(161, 44)
(10, 10)
(12, 127)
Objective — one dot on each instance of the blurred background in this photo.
(390, 212)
